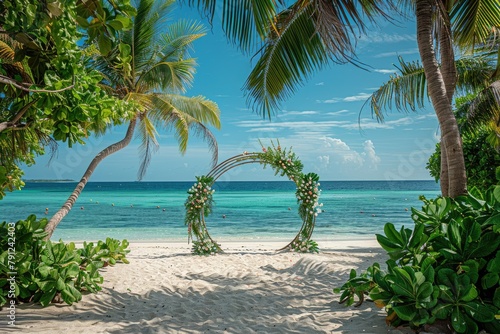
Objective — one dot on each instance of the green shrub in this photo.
(34, 270)
(447, 267)
(481, 160)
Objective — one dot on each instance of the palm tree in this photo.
(305, 36)
(441, 25)
(477, 87)
(150, 68)
(294, 40)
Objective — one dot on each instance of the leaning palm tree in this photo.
(150, 68)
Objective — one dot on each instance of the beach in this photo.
(250, 288)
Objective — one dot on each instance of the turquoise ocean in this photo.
(154, 211)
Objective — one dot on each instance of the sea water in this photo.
(154, 211)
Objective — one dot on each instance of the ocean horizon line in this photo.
(228, 181)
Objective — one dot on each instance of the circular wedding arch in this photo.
(284, 162)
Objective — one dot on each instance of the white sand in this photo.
(249, 289)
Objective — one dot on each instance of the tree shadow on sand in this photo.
(296, 299)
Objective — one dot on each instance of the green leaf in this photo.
(424, 290)
(124, 20)
(63, 127)
(496, 193)
(48, 256)
(392, 234)
(72, 270)
(454, 235)
(47, 297)
(479, 312)
(60, 284)
(387, 244)
(470, 294)
(417, 236)
(116, 24)
(442, 310)
(405, 312)
(458, 321)
(47, 285)
(104, 43)
(496, 298)
(82, 22)
(44, 270)
(489, 280)
(488, 244)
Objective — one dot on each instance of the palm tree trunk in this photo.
(451, 143)
(444, 177)
(68, 205)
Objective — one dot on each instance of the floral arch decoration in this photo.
(284, 162)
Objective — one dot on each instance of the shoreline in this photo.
(249, 288)
(371, 239)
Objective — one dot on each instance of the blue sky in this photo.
(320, 122)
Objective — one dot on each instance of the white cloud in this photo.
(320, 84)
(324, 161)
(378, 37)
(370, 155)
(383, 71)
(321, 128)
(396, 53)
(336, 113)
(270, 129)
(305, 112)
(334, 100)
(341, 154)
(291, 125)
(368, 123)
(358, 97)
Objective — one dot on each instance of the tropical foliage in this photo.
(150, 67)
(293, 39)
(442, 27)
(481, 161)
(284, 162)
(446, 268)
(300, 37)
(41, 101)
(476, 109)
(35, 270)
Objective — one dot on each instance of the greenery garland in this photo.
(284, 162)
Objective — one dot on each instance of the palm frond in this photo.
(474, 72)
(405, 91)
(245, 22)
(339, 22)
(184, 113)
(6, 51)
(202, 131)
(144, 101)
(178, 39)
(174, 76)
(198, 108)
(484, 108)
(473, 21)
(149, 144)
(287, 58)
(147, 24)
